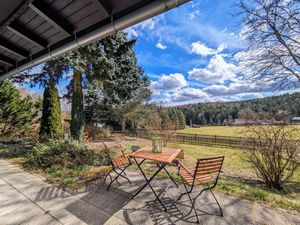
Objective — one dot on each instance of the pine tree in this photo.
(181, 119)
(123, 83)
(51, 126)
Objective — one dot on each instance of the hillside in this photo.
(275, 108)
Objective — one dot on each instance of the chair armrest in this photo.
(181, 165)
(123, 152)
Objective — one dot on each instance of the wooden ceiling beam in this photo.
(27, 34)
(50, 15)
(12, 48)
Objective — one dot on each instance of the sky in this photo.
(190, 54)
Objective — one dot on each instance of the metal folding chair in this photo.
(119, 164)
(207, 173)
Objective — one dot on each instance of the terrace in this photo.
(93, 170)
(37, 202)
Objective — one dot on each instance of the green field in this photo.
(215, 130)
(223, 130)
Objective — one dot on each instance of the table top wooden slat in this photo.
(166, 156)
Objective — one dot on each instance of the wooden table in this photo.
(167, 156)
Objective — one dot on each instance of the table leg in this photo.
(171, 177)
(162, 166)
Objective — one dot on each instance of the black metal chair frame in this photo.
(115, 170)
(119, 174)
(208, 188)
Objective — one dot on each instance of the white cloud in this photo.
(238, 87)
(188, 94)
(217, 71)
(161, 46)
(201, 49)
(169, 82)
(233, 88)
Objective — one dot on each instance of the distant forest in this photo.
(275, 108)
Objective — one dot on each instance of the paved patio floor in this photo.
(28, 199)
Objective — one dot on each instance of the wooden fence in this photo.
(196, 139)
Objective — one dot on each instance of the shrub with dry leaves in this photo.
(272, 151)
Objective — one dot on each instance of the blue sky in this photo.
(190, 54)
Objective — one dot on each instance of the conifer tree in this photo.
(181, 119)
(51, 126)
(16, 113)
(123, 83)
(77, 111)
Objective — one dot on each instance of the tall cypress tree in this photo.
(51, 126)
(77, 110)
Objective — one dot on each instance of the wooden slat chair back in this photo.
(208, 169)
(119, 162)
(206, 172)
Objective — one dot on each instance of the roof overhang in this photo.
(34, 31)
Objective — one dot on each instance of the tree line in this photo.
(276, 108)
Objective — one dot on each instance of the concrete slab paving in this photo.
(26, 198)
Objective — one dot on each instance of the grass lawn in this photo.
(238, 178)
(215, 130)
(222, 130)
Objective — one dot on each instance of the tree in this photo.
(181, 119)
(271, 29)
(81, 62)
(248, 115)
(77, 110)
(48, 78)
(17, 115)
(123, 85)
(51, 126)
